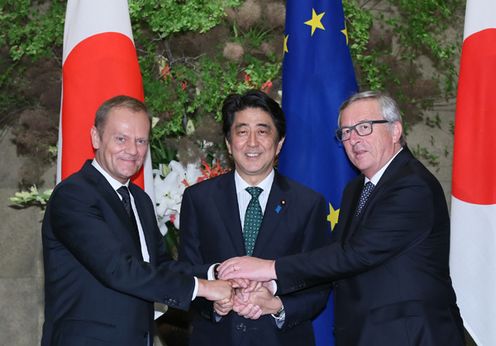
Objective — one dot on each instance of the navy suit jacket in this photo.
(389, 264)
(97, 289)
(294, 221)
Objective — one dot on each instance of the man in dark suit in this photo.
(389, 256)
(105, 262)
(215, 225)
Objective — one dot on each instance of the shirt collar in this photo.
(376, 177)
(265, 184)
(113, 182)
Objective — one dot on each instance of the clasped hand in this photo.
(250, 299)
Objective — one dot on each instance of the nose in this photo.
(252, 139)
(131, 147)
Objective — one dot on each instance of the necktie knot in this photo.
(254, 191)
(366, 191)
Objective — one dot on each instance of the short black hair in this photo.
(252, 99)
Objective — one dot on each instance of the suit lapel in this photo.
(226, 202)
(348, 209)
(274, 212)
(109, 195)
(404, 156)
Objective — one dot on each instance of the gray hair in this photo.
(389, 108)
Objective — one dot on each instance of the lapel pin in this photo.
(279, 206)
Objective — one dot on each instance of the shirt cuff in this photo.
(280, 317)
(195, 289)
(211, 271)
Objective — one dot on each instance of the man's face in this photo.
(122, 146)
(370, 153)
(254, 145)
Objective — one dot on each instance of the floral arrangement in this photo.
(170, 182)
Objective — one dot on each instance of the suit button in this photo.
(241, 327)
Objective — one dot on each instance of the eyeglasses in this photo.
(363, 128)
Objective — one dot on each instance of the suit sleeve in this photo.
(189, 248)
(306, 305)
(81, 225)
(399, 218)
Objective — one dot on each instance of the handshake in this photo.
(244, 286)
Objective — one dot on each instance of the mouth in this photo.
(252, 155)
(129, 161)
(359, 152)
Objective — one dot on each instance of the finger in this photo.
(237, 307)
(228, 266)
(253, 286)
(240, 283)
(245, 310)
(242, 297)
(221, 312)
(255, 312)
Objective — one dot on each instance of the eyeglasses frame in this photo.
(353, 128)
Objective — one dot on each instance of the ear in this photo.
(279, 145)
(397, 131)
(228, 145)
(95, 138)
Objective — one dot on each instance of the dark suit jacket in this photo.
(294, 221)
(389, 265)
(97, 290)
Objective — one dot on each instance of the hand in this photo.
(242, 283)
(251, 268)
(223, 307)
(249, 310)
(214, 290)
(254, 304)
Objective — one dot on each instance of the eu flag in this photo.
(317, 77)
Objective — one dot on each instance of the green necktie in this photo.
(253, 219)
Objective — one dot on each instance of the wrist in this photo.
(278, 307)
(273, 270)
(279, 311)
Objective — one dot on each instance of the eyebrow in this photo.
(257, 125)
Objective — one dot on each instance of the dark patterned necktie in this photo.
(126, 201)
(253, 219)
(367, 190)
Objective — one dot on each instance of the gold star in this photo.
(333, 216)
(315, 22)
(285, 47)
(345, 33)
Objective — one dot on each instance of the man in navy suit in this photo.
(104, 258)
(214, 227)
(389, 256)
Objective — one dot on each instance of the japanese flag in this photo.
(99, 62)
(473, 209)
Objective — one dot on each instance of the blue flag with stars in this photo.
(317, 77)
